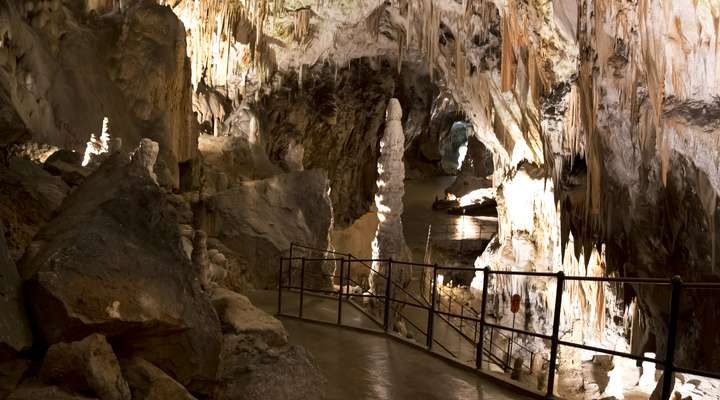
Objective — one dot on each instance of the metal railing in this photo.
(386, 300)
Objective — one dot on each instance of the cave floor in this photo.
(362, 365)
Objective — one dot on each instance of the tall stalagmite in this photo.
(389, 240)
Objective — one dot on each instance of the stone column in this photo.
(389, 239)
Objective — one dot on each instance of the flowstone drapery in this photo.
(389, 240)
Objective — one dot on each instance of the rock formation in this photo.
(88, 365)
(389, 239)
(275, 212)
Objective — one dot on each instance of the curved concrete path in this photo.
(366, 366)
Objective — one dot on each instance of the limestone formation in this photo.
(86, 366)
(389, 239)
(144, 158)
(15, 333)
(149, 301)
(148, 382)
(35, 392)
(256, 361)
(200, 259)
(275, 212)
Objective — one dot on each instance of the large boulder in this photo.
(149, 382)
(256, 362)
(36, 392)
(28, 199)
(112, 263)
(258, 220)
(88, 365)
(11, 373)
(15, 333)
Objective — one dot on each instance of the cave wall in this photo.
(64, 67)
(612, 103)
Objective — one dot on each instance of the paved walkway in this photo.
(362, 366)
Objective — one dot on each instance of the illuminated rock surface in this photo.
(594, 126)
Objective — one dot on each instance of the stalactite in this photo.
(302, 25)
(507, 65)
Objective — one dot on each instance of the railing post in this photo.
(280, 282)
(483, 308)
(388, 284)
(302, 286)
(340, 290)
(669, 366)
(431, 311)
(555, 334)
(290, 265)
(347, 280)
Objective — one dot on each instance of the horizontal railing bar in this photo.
(525, 273)
(363, 295)
(311, 290)
(611, 352)
(655, 281)
(701, 285)
(412, 264)
(706, 374)
(293, 244)
(459, 269)
(312, 259)
(519, 331)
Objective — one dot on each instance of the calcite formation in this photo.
(389, 239)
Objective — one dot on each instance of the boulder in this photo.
(256, 363)
(111, 262)
(29, 198)
(41, 392)
(238, 316)
(148, 382)
(67, 165)
(15, 333)
(258, 220)
(47, 189)
(11, 373)
(88, 365)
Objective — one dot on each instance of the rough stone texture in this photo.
(15, 333)
(389, 239)
(256, 363)
(475, 170)
(86, 366)
(148, 382)
(37, 391)
(29, 197)
(153, 73)
(11, 373)
(259, 219)
(338, 122)
(112, 262)
(130, 68)
(143, 160)
(239, 316)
